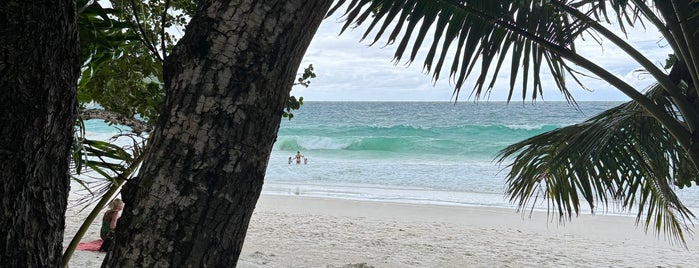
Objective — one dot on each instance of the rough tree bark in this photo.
(39, 72)
(227, 81)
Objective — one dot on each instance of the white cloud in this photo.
(350, 70)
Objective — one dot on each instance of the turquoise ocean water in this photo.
(415, 152)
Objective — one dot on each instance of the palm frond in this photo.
(621, 156)
(99, 165)
(482, 34)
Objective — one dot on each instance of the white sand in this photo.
(296, 231)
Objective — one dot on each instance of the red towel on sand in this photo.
(90, 246)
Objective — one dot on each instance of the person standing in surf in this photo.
(298, 157)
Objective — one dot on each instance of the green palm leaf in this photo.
(620, 156)
(99, 165)
(633, 154)
(112, 163)
(481, 34)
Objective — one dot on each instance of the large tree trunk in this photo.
(227, 82)
(38, 77)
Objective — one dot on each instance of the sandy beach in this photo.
(298, 231)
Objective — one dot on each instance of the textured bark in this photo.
(38, 76)
(227, 82)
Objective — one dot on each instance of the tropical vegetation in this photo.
(202, 170)
(635, 155)
(123, 48)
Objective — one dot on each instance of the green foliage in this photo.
(618, 155)
(670, 61)
(114, 77)
(292, 104)
(306, 76)
(101, 36)
(128, 85)
(156, 21)
(634, 154)
(101, 168)
(123, 50)
(131, 83)
(99, 164)
(119, 73)
(482, 33)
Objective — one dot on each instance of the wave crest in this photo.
(459, 140)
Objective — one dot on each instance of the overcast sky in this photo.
(350, 70)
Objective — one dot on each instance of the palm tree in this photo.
(634, 154)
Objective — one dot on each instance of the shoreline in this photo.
(302, 231)
(299, 231)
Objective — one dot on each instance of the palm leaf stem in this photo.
(666, 29)
(688, 112)
(116, 185)
(587, 160)
(688, 32)
(88, 221)
(673, 25)
(663, 28)
(534, 41)
(673, 126)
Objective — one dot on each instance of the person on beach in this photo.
(305, 160)
(109, 221)
(298, 157)
(289, 160)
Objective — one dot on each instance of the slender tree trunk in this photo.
(38, 77)
(227, 82)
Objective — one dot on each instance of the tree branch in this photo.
(137, 126)
(144, 36)
(163, 20)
